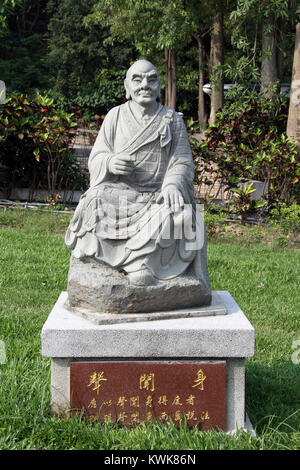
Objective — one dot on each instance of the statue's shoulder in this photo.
(112, 117)
(167, 111)
(172, 116)
(114, 112)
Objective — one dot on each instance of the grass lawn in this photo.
(264, 280)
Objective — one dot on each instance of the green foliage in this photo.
(215, 217)
(245, 23)
(287, 218)
(23, 47)
(85, 69)
(95, 99)
(64, 47)
(35, 141)
(242, 203)
(23, 71)
(6, 8)
(187, 72)
(161, 24)
(248, 142)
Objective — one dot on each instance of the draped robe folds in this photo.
(118, 220)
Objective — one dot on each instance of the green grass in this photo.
(263, 279)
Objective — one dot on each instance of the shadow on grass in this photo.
(273, 396)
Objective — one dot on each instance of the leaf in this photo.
(21, 136)
(259, 203)
(36, 153)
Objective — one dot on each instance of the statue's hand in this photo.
(172, 198)
(121, 164)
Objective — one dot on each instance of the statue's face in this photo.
(142, 83)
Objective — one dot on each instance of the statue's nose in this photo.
(145, 83)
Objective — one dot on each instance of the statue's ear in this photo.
(128, 95)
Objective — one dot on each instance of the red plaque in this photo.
(131, 392)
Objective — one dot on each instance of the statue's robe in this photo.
(117, 220)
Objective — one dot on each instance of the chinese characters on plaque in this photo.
(132, 392)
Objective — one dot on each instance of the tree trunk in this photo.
(216, 56)
(279, 46)
(202, 117)
(170, 95)
(293, 124)
(269, 72)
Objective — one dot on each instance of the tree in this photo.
(171, 89)
(198, 19)
(217, 59)
(269, 70)
(82, 49)
(24, 46)
(202, 117)
(293, 124)
(87, 67)
(260, 36)
(75, 53)
(7, 7)
(162, 30)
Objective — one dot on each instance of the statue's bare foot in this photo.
(143, 277)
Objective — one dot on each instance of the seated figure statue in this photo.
(138, 215)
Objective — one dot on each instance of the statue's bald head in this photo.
(141, 68)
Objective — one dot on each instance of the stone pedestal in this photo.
(158, 358)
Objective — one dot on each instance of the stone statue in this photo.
(137, 221)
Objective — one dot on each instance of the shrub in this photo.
(243, 204)
(248, 142)
(95, 98)
(215, 217)
(35, 144)
(287, 218)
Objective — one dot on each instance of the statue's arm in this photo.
(104, 164)
(102, 151)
